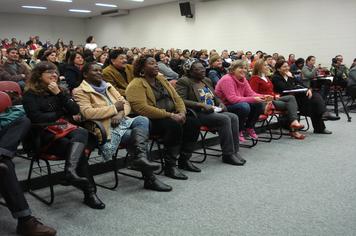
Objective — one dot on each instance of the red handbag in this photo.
(62, 129)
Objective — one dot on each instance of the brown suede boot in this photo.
(32, 227)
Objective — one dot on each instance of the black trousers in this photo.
(314, 108)
(175, 134)
(10, 188)
(60, 146)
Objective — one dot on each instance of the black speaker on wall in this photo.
(185, 9)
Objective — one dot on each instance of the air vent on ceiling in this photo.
(116, 12)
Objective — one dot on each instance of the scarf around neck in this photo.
(100, 89)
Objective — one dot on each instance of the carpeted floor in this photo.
(287, 187)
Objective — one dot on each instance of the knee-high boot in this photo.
(90, 197)
(73, 157)
(138, 151)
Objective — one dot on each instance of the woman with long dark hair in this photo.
(262, 84)
(72, 73)
(310, 103)
(45, 102)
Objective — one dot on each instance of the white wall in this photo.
(22, 26)
(322, 28)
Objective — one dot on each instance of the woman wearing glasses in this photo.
(45, 102)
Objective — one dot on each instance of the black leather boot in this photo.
(91, 199)
(152, 183)
(170, 168)
(232, 160)
(72, 166)
(138, 152)
(185, 164)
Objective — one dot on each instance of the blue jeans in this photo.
(248, 113)
(140, 122)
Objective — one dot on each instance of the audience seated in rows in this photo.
(309, 103)
(101, 97)
(100, 101)
(262, 84)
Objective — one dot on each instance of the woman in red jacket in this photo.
(262, 85)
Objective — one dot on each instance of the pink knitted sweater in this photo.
(231, 90)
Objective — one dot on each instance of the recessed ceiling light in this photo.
(62, 0)
(105, 5)
(79, 10)
(137, 0)
(35, 7)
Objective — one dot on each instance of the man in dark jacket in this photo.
(13, 70)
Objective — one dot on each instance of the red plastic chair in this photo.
(10, 86)
(53, 163)
(204, 130)
(5, 101)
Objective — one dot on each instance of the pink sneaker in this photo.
(242, 137)
(251, 132)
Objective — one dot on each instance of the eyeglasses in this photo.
(52, 72)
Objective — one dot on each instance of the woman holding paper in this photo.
(309, 103)
(198, 94)
(260, 83)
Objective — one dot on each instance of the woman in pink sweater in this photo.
(236, 93)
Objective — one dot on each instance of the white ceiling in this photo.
(61, 8)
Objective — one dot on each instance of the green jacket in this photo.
(341, 72)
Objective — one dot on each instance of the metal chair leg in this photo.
(50, 183)
(116, 178)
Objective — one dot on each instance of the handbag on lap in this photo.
(62, 128)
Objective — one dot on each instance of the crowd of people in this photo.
(137, 93)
